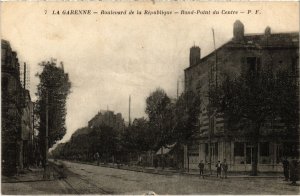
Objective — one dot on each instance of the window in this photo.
(3, 55)
(264, 149)
(253, 64)
(206, 149)
(279, 153)
(212, 124)
(290, 149)
(4, 84)
(238, 149)
(216, 149)
(295, 63)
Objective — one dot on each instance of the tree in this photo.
(186, 116)
(159, 111)
(287, 99)
(52, 92)
(104, 140)
(137, 137)
(248, 100)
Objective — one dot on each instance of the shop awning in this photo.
(165, 150)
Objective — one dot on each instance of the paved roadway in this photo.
(90, 179)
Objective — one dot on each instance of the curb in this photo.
(174, 172)
(21, 181)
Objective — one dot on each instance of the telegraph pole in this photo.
(211, 113)
(210, 110)
(210, 124)
(216, 58)
(177, 88)
(129, 119)
(46, 169)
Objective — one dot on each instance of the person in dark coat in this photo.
(293, 171)
(201, 168)
(97, 157)
(218, 166)
(224, 169)
(285, 165)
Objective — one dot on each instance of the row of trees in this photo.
(102, 139)
(168, 122)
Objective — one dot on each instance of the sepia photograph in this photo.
(150, 98)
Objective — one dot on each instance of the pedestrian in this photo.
(293, 171)
(224, 169)
(37, 158)
(201, 168)
(97, 157)
(218, 166)
(285, 164)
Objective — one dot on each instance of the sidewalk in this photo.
(32, 182)
(191, 172)
(28, 175)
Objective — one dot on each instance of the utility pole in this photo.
(210, 109)
(46, 169)
(216, 58)
(209, 117)
(129, 119)
(33, 133)
(177, 88)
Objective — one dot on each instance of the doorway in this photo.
(249, 154)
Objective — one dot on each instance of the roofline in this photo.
(211, 53)
(289, 32)
(249, 34)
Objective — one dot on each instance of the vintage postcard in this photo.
(149, 97)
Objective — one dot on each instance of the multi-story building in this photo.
(16, 111)
(27, 134)
(108, 118)
(239, 55)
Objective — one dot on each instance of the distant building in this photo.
(108, 118)
(27, 136)
(16, 111)
(245, 52)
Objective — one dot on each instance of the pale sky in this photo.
(111, 57)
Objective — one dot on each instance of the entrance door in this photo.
(212, 152)
(249, 154)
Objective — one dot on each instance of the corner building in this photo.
(244, 52)
(16, 115)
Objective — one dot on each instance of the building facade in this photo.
(243, 53)
(108, 118)
(16, 111)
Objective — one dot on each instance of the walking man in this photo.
(201, 168)
(293, 171)
(285, 164)
(218, 166)
(224, 169)
(97, 157)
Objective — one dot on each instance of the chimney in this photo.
(194, 55)
(268, 31)
(238, 31)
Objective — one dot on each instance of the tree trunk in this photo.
(255, 141)
(254, 158)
